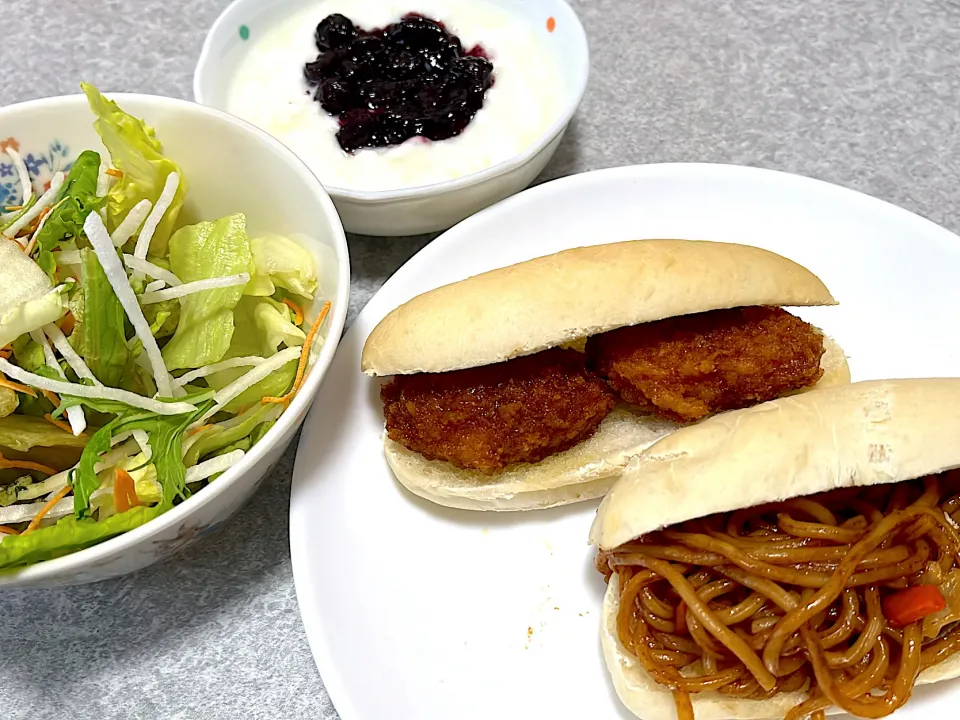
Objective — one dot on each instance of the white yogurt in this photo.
(269, 91)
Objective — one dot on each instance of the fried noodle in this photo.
(789, 597)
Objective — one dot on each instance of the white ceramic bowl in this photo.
(231, 167)
(426, 208)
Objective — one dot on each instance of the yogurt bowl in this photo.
(230, 167)
(252, 65)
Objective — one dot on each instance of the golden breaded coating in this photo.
(489, 417)
(688, 367)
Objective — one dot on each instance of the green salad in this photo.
(140, 357)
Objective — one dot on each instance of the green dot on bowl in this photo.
(244, 32)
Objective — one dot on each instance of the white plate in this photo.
(415, 611)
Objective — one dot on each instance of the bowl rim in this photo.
(558, 126)
(56, 568)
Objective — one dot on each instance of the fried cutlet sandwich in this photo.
(534, 385)
(792, 560)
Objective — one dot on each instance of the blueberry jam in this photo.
(411, 78)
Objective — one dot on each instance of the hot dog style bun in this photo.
(509, 457)
(862, 435)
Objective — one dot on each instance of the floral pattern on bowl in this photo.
(41, 165)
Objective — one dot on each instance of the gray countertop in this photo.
(863, 93)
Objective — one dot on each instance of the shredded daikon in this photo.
(128, 226)
(196, 286)
(13, 514)
(248, 380)
(69, 257)
(45, 200)
(127, 449)
(156, 215)
(154, 286)
(22, 175)
(43, 221)
(143, 440)
(40, 339)
(77, 419)
(270, 415)
(103, 180)
(113, 269)
(69, 354)
(230, 364)
(213, 466)
(150, 270)
(75, 414)
(52, 484)
(95, 393)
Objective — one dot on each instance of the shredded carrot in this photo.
(304, 357)
(25, 465)
(59, 423)
(32, 244)
(35, 523)
(68, 323)
(33, 240)
(51, 396)
(194, 431)
(6, 352)
(297, 311)
(124, 491)
(17, 387)
(31, 229)
(113, 172)
(8, 530)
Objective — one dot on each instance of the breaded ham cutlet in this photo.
(489, 417)
(687, 367)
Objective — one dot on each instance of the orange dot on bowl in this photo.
(551, 24)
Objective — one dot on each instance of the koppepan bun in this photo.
(858, 435)
(562, 299)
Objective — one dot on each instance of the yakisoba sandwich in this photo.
(533, 385)
(787, 560)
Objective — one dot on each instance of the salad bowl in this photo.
(227, 168)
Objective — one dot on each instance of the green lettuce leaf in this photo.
(22, 433)
(76, 200)
(281, 262)
(197, 252)
(75, 305)
(28, 354)
(104, 346)
(262, 325)
(164, 317)
(31, 315)
(9, 494)
(28, 300)
(275, 385)
(213, 438)
(8, 402)
(166, 443)
(134, 150)
(70, 535)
